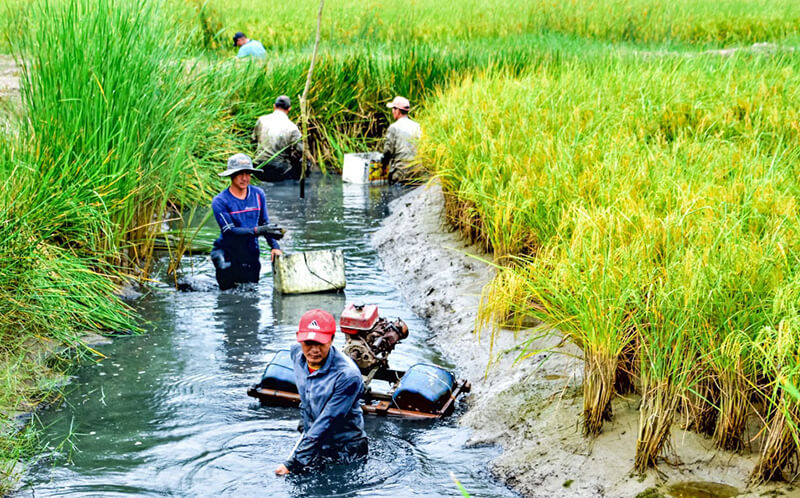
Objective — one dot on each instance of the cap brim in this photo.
(229, 172)
(390, 105)
(320, 337)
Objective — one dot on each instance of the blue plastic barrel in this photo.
(279, 373)
(424, 388)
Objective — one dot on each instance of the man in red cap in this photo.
(330, 387)
(400, 146)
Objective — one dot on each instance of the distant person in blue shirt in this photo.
(248, 47)
(241, 211)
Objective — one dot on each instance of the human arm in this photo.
(389, 147)
(256, 131)
(296, 148)
(263, 219)
(347, 390)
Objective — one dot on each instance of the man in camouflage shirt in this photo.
(400, 146)
(280, 147)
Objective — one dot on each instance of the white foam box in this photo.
(307, 272)
(357, 167)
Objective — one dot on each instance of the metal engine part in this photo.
(371, 348)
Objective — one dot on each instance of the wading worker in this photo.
(241, 211)
(400, 145)
(330, 388)
(248, 47)
(280, 147)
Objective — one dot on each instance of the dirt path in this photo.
(532, 407)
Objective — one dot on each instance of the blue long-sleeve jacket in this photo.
(236, 219)
(330, 406)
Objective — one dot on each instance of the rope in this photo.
(305, 259)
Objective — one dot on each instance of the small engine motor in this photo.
(370, 339)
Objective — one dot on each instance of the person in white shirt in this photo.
(400, 146)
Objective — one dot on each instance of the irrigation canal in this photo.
(166, 412)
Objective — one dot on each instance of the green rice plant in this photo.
(580, 288)
(666, 358)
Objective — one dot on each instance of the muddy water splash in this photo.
(166, 413)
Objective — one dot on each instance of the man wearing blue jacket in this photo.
(330, 388)
(241, 212)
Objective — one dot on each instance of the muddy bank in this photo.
(532, 407)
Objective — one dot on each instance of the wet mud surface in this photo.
(533, 407)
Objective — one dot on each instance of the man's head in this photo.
(283, 103)
(239, 39)
(399, 106)
(240, 167)
(315, 335)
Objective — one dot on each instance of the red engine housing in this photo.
(358, 318)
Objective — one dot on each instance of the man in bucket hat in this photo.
(330, 388)
(400, 145)
(241, 211)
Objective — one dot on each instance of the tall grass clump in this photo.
(656, 226)
(117, 121)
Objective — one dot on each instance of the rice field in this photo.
(648, 209)
(695, 22)
(637, 189)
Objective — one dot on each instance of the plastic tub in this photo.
(279, 373)
(424, 388)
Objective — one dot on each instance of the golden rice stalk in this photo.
(733, 399)
(598, 388)
(659, 402)
(625, 376)
(780, 450)
(700, 406)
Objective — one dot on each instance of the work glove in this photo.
(218, 258)
(271, 231)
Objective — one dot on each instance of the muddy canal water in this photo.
(166, 413)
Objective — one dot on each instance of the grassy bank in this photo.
(648, 209)
(116, 130)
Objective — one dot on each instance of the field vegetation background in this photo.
(632, 167)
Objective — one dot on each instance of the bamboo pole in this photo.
(304, 104)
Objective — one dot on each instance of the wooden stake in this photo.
(304, 104)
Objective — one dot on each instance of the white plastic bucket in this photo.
(362, 167)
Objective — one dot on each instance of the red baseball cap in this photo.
(316, 325)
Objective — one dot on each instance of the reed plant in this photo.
(117, 121)
(116, 129)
